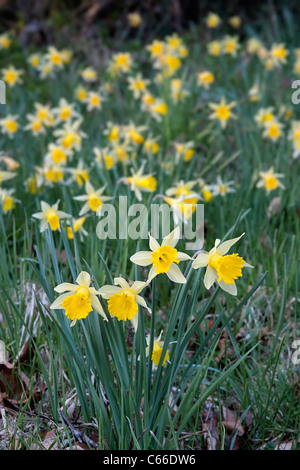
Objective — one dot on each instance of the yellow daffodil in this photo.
(222, 111)
(221, 268)
(50, 215)
(65, 111)
(273, 130)
(9, 125)
(235, 21)
(182, 189)
(7, 199)
(139, 182)
(157, 349)
(80, 174)
(5, 41)
(81, 93)
(156, 48)
(177, 91)
(35, 125)
(158, 109)
(93, 100)
(70, 136)
(185, 150)
(205, 79)
(264, 116)
(270, 180)
(57, 154)
(214, 48)
(12, 76)
(89, 75)
(163, 258)
(212, 20)
(78, 299)
(254, 93)
(54, 57)
(34, 60)
(104, 156)
(137, 85)
(230, 45)
(123, 301)
(151, 146)
(122, 62)
(279, 53)
(183, 207)
(76, 226)
(93, 198)
(134, 19)
(221, 188)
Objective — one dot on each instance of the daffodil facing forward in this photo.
(78, 299)
(50, 215)
(270, 180)
(93, 199)
(222, 111)
(224, 269)
(123, 301)
(164, 258)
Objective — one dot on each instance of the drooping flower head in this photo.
(157, 350)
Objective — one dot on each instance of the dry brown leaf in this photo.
(12, 382)
(231, 422)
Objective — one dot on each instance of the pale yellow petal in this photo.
(84, 279)
(225, 246)
(142, 258)
(200, 261)
(210, 277)
(175, 275)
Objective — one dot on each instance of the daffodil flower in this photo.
(7, 199)
(139, 182)
(223, 269)
(93, 198)
(222, 111)
(157, 350)
(77, 226)
(123, 301)
(78, 299)
(50, 215)
(183, 207)
(270, 180)
(164, 258)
